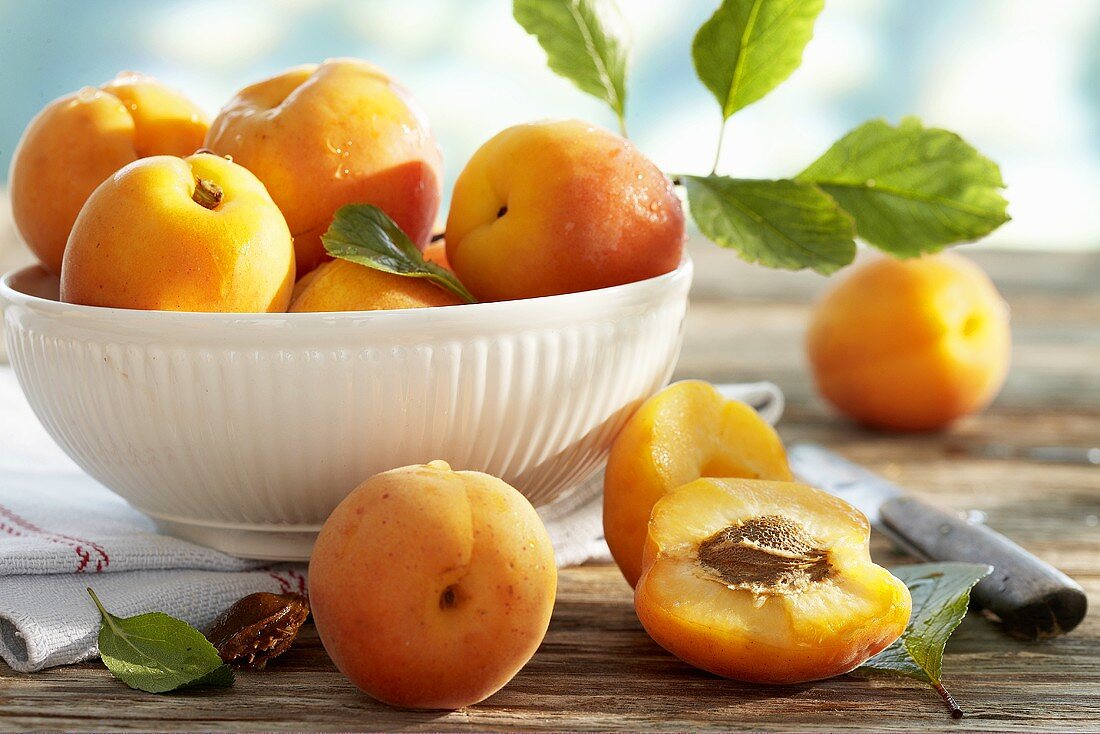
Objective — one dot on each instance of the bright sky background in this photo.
(1020, 79)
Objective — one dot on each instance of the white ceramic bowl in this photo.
(242, 432)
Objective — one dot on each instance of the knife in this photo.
(1031, 598)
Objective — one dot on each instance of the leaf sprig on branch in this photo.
(905, 189)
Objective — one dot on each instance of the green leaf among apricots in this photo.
(941, 594)
(157, 653)
(749, 47)
(364, 234)
(781, 224)
(585, 42)
(911, 189)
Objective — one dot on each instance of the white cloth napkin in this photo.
(61, 531)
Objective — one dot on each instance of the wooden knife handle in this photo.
(1040, 601)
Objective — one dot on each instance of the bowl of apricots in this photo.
(200, 338)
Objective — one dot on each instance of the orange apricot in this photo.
(324, 135)
(910, 344)
(432, 588)
(559, 207)
(79, 140)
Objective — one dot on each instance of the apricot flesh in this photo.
(558, 207)
(324, 135)
(77, 141)
(180, 234)
(432, 588)
(910, 345)
(686, 431)
(341, 285)
(766, 582)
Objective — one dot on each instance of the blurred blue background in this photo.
(1020, 79)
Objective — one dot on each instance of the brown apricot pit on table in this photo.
(770, 554)
(258, 628)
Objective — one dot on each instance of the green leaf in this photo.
(364, 234)
(910, 188)
(749, 47)
(585, 42)
(158, 653)
(941, 594)
(781, 224)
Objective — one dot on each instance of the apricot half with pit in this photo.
(766, 582)
(686, 431)
(431, 588)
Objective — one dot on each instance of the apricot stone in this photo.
(431, 588)
(559, 207)
(77, 141)
(324, 135)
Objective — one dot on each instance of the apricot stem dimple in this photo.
(447, 599)
(770, 554)
(207, 193)
(502, 211)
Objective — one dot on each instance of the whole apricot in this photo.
(910, 345)
(78, 140)
(341, 285)
(766, 582)
(324, 135)
(686, 431)
(431, 588)
(559, 207)
(180, 234)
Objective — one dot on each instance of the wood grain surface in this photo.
(597, 668)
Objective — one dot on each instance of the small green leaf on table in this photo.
(781, 224)
(749, 47)
(157, 653)
(585, 41)
(941, 594)
(364, 234)
(911, 189)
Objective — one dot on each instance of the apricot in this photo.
(431, 588)
(78, 140)
(436, 253)
(324, 135)
(910, 345)
(341, 285)
(180, 234)
(558, 207)
(686, 431)
(766, 582)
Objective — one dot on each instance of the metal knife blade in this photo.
(1031, 598)
(863, 489)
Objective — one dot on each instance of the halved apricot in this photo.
(766, 582)
(686, 431)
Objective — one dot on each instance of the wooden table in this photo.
(597, 668)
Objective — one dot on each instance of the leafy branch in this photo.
(905, 189)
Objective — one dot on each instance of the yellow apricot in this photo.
(766, 582)
(180, 234)
(686, 431)
(341, 285)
